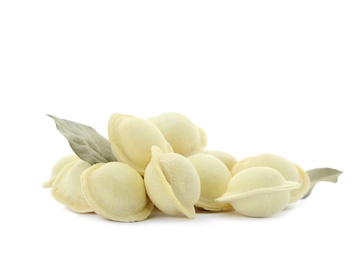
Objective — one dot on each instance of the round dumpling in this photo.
(289, 170)
(258, 192)
(66, 187)
(131, 139)
(214, 179)
(172, 183)
(183, 135)
(116, 191)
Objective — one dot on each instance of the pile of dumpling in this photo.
(162, 162)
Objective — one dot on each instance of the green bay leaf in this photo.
(87, 144)
(321, 174)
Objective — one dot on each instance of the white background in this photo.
(257, 76)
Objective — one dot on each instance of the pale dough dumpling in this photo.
(183, 135)
(131, 140)
(58, 167)
(172, 183)
(289, 170)
(225, 157)
(66, 187)
(116, 191)
(214, 179)
(258, 192)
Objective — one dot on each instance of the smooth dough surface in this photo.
(131, 139)
(172, 183)
(182, 134)
(116, 191)
(58, 167)
(258, 192)
(287, 168)
(214, 179)
(225, 157)
(66, 187)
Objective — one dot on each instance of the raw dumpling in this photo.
(214, 179)
(172, 183)
(225, 157)
(289, 170)
(258, 192)
(66, 187)
(131, 140)
(183, 135)
(58, 167)
(116, 191)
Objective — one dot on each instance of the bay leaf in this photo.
(322, 174)
(87, 144)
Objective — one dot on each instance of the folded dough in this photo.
(116, 191)
(172, 183)
(258, 192)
